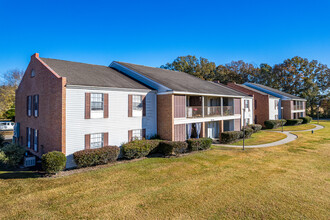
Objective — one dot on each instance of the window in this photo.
(28, 137)
(33, 73)
(247, 104)
(255, 119)
(275, 104)
(137, 105)
(36, 105)
(137, 102)
(97, 102)
(137, 134)
(276, 117)
(29, 105)
(96, 140)
(35, 140)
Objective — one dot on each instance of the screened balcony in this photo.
(199, 106)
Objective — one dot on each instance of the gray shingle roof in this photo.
(92, 75)
(180, 81)
(278, 92)
(255, 90)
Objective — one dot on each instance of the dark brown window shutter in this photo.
(32, 139)
(87, 105)
(105, 139)
(130, 105)
(87, 141)
(106, 105)
(130, 134)
(144, 105)
(27, 136)
(144, 133)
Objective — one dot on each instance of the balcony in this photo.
(298, 107)
(209, 111)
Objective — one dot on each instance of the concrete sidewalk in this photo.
(290, 137)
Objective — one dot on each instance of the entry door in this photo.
(213, 129)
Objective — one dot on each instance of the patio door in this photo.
(213, 129)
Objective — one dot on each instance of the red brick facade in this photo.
(165, 116)
(51, 120)
(260, 105)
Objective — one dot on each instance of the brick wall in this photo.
(287, 108)
(51, 120)
(165, 116)
(262, 110)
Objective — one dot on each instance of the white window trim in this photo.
(100, 142)
(137, 106)
(97, 113)
(138, 134)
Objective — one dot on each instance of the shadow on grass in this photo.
(19, 174)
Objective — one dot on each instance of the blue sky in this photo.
(154, 32)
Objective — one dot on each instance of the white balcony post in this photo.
(203, 106)
(221, 106)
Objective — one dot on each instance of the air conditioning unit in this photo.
(29, 161)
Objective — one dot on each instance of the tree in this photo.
(8, 85)
(200, 68)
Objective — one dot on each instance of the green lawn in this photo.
(261, 137)
(291, 181)
(295, 128)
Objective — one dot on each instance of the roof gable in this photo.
(179, 81)
(92, 75)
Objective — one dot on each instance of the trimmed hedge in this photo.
(230, 136)
(92, 157)
(270, 124)
(53, 162)
(139, 148)
(294, 121)
(195, 144)
(248, 133)
(255, 127)
(169, 148)
(306, 119)
(12, 155)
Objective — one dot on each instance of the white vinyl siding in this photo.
(274, 110)
(117, 126)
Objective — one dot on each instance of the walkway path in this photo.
(290, 137)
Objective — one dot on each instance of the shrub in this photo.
(270, 124)
(248, 133)
(306, 119)
(2, 140)
(53, 162)
(92, 157)
(172, 147)
(12, 155)
(199, 144)
(255, 127)
(294, 121)
(139, 148)
(3, 160)
(230, 136)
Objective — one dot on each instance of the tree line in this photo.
(297, 76)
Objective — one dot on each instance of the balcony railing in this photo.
(228, 110)
(298, 107)
(209, 111)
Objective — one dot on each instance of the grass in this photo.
(295, 128)
(291, 181)
(261, 137)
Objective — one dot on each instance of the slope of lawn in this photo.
(295, 128)
(291, 181)
(261, 137)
